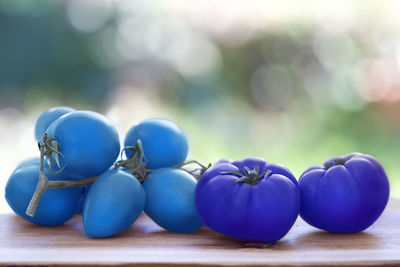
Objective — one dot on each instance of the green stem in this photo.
(192, 161)
(134, 164)
(196, 173)
(248, 176)
(70, 183)
(40, 188)
(44, 183)
(337, 162)
(340, 162)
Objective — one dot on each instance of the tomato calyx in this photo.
(50, 147)
(47, 146)
(339, 161)
(248, 176)
(134, 164)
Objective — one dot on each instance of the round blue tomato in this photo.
(345, 195)
(47, 118)
(112, 204)
(164, 143)
(170, 200)
(249, 199)
(89, 144)
(85, 191)
(56, 205)
(28, 162)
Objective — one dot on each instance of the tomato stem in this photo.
(197, 172)
(51, 147)
(248, 176)
(337, 162)
(40, 188)
(47, 146)
(134, 164)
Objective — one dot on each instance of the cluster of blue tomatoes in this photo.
(249, 199)
(84, 146)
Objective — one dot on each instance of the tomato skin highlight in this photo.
(113, 203)
(170, 200)
(345, 195)
(48, 117)
(164, 143)
(28, 162)
(264, 211)
(55, 207)
(89, 144)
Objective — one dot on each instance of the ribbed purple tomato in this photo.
(248, 199)
(345, 195)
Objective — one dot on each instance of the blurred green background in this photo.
(294, 82)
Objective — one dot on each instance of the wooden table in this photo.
(146, 244)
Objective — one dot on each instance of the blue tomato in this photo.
(164, 143)
(345, 195)
(47, 117)
(170, 200)
(36, 161)
(28, 162)
(56, 205)
(112, 204)
(89, 144)
(85, 191)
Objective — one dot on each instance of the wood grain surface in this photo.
(146, 244)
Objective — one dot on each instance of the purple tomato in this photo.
(345, 195)
(249, 199)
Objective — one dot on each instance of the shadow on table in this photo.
(145, 233)
(326, 240)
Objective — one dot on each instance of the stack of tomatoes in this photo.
(88, 146)
(249, 199)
